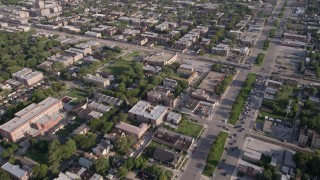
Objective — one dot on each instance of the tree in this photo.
(85, 141)
(101, 165)
(122, 172)
(123, 144)
(140, 163)
(40, 171)
(4, 175)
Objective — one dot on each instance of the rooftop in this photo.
(15, 170)
(144, 108)
(27, 113)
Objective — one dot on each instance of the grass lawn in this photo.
(189, 129)
(132, 55)
(69, 128)
(75, 93)
(241, 99)
(274, 116)
(37, 156)
(215, 154)
(118, 67)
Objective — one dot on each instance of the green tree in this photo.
(101, 165)
(122, 172)
(40, 171)
(4, 175)
(123, 144)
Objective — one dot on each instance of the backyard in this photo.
(131, 56)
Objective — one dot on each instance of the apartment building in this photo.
(132, 130)
(295, 37)
(185, 69)
(99, 81)
(28, 76)
(309, 137)
(169, 83)
(221, 49)
(34, 120)
(144, 112)
(161, 95)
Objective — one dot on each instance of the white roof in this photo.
(15, 170)
(141, 109)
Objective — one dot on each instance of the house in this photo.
(103, 148)
(83, 129)
(169, 158)
(85, 163)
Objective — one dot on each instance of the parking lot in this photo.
(288, 59)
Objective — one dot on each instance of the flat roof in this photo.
(27, 113)
(141, 109)
(14, 170)
(159, 57)
(131, 128)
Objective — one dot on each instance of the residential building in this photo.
(161, 95)
(169, 83)
(85, 163)
(65, 59)
(315, 142)
(83, 129)
(92, 34)
(28, 76)
(140, 41)
(304, 135)
(15, 171)
(103, 148)
(132, 130)
(185, 69)
(99, 81)
(95, 106)
(107, 99)
(221, 49)
(175, 140)
(144, 112)
(161, 59)
(34, 120)
(174, 118)
(169, 158)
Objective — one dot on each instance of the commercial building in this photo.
(144, 112)
(295, 37)
(252, 155)
(132, 130)
(99, 81)
(28, 76)
(34, 120)
(15, 171)
(161, 59)
(249, 169)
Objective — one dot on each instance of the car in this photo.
(223, 160)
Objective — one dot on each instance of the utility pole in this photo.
(288, 110)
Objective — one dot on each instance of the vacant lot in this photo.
(78, 94)
(118, 66)
(131, 56)
(189, 129)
